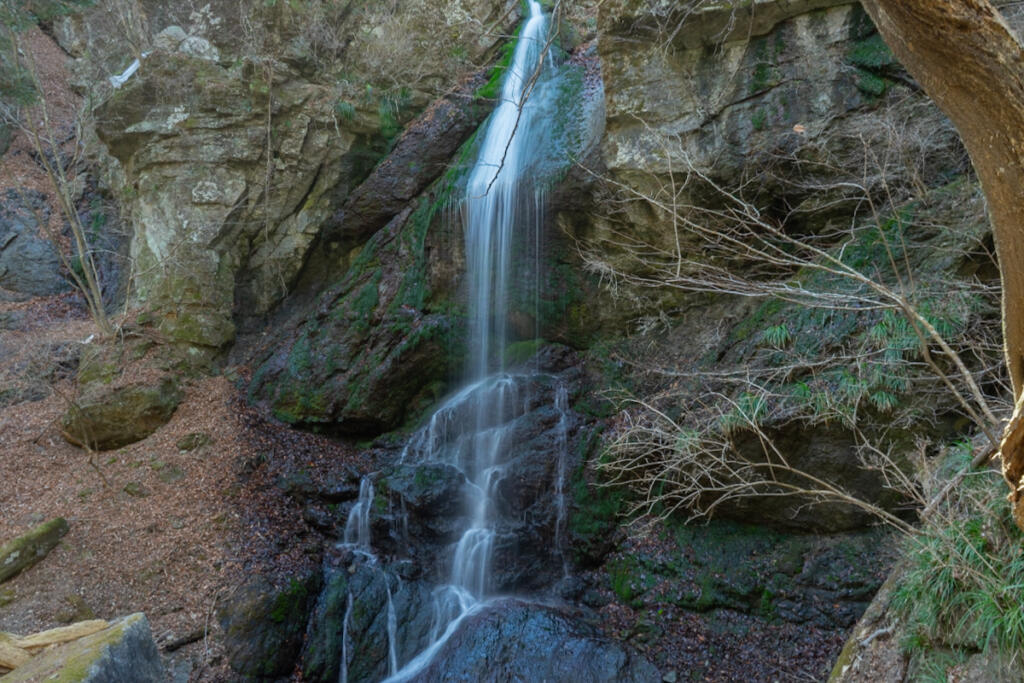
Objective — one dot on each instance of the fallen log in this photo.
(12, 656)
(26, 550)
(63, 634)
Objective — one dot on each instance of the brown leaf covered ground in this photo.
(206, 519)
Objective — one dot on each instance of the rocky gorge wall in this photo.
(246, 127)
(288, 172)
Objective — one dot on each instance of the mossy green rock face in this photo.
(105, 418)
(264, 625)
(378, 347)
(25, 551)
(123, 652)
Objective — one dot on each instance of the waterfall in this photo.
(562, 406)
(343, 675)
(470, 429)
(392, 629)
(357, 527)
(493, 194)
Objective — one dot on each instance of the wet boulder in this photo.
(264, 626)
(514, 640)
(430, 501)
(349, 624)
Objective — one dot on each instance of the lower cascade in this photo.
(484, 479)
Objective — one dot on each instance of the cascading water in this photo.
(562, 406)
(470, 430)
(357, 528)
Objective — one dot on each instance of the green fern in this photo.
(777, 336)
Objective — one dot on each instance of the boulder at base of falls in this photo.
(515, 641)
(264, 625)
(124, 651)
(354, 603)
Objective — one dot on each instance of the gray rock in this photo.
(124, 651)
(349, 576)
(28, 262)
(513, 640)
(170, 38)
(199, 47)
(264, 625)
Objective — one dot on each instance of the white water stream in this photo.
(471, 429)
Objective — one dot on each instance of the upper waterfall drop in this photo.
(494, 192)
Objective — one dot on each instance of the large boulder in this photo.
(515, 640)
(29, 264)
(124, 651)
(264, 626)
(109, 416)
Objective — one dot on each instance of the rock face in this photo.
(124, 651)
(28, 262)
(420, 155)
(26, 550)
(379, 344)
(513, 640)
(106, 417)
(228, 179)
(228, 153)
(264, 626)
(780, 98)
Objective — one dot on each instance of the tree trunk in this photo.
(971, 64)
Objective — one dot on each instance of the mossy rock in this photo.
(106, 418)
(26, 550)
(193, 441)
(264, 626)
(124, 651)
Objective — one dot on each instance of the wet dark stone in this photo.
(516, 641)
(349, 573)
(264, 626)
(28, 262)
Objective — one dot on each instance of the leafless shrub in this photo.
(679, 453)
